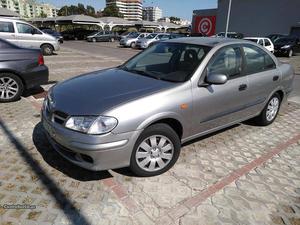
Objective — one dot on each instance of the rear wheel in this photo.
(290, 53)
(47, 49)
(156, 151)
(11, 87)
(270, 112)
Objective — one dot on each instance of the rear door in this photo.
(263, 76)
(7, 31)
(269, 45)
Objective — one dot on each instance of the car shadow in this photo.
(55, 160)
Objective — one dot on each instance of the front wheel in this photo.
(270, 112)
(132, 45)
(156, 151)
(47, 49)
(290, 53)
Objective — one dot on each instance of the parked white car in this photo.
(26, 35)
(266, 42)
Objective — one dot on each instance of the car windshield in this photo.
(173, 62)
(285, 41)
(133, 35)
(151, 36)
(95, 33)
(253, 40)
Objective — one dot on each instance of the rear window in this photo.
(257, 60)
(267, 42)
(7, 27)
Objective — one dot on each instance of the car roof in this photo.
(207, 41)
(255, 38)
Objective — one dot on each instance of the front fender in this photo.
(160, 116)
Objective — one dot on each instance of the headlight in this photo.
(286, 46)
(92, 124)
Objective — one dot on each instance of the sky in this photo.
(180, 8)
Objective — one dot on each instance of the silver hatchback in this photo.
(140, 113)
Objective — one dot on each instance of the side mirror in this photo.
(216, 79)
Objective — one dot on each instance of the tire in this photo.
(12, 82)
(290, 53)
(152, 156)
(112, 39)
(47, 49)
(94, 40)
(132, 45)
(268, 116)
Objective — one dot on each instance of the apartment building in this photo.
(152, 13)
(29, 8)
(131, 9)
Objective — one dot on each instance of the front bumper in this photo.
(281, 51)
(92, 152)
(141, 45)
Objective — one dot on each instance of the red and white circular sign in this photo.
(205, 26)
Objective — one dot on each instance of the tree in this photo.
(77, 10)
(90, 10)
(174, 19)
(112, 10)
(43, 15)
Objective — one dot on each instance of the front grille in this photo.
(59, 117)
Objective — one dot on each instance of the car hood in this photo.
(97, 92)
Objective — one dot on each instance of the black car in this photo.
(76, 34)
(274, 37)
(103, 36)
(20, 69)
(287, 46)
(53, 33)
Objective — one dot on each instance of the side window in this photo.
(257, 60)
(142, 36)
(267, 43)
(228, 61)
(260, 42)
(7, 27)
(26, 29)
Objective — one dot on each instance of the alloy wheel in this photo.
(9, 88)
(272, 109)
(154, 153)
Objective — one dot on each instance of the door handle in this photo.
(243, 87)
(275, 78)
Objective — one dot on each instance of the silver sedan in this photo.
(139, 114)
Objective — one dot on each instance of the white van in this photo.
(25, 35)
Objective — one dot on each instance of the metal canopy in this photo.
(8, 13)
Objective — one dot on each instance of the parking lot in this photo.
(241, 175)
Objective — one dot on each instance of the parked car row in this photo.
(144, 40)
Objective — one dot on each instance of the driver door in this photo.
(28, 36)
(219, 105)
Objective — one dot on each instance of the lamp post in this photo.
(228, 18)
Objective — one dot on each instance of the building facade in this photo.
(132, 10)
(251, 17)
(152, 13)
(29, 8)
